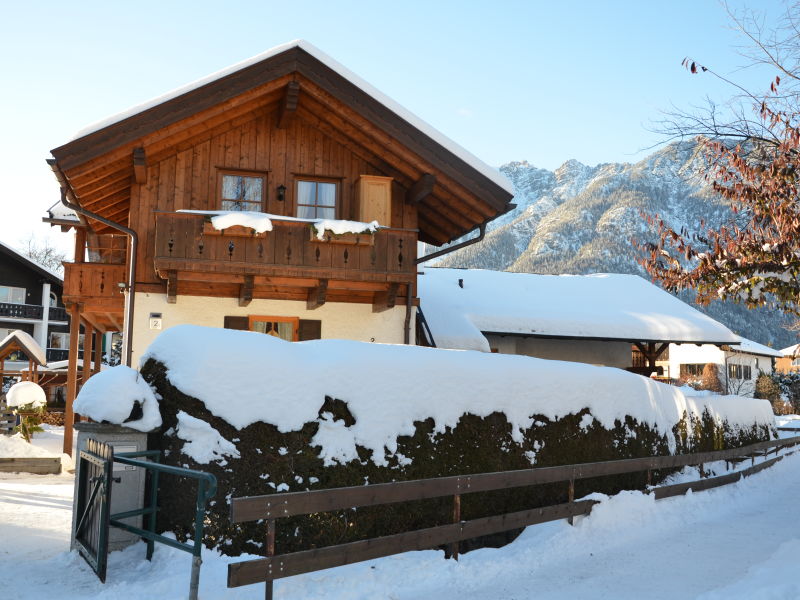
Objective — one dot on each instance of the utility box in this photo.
(128, 493)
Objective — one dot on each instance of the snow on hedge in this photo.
(26, 393)
(461, 304)
(205, 444)
(111, 396)
(388, 387)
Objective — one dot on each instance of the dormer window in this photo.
(242, 191)
(316, 199)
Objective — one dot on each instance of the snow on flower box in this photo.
(233, 230)
(354, 233)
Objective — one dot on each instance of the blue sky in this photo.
(536, 81)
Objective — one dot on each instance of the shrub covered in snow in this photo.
(267, 415)
(28, 399)
(119, 395)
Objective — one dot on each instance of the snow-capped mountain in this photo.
(581, 219)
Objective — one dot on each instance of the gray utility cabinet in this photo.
(126, 495)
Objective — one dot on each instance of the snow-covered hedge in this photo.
(266, 415)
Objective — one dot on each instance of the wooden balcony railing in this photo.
(94, 284)
(186, 242)
(31, 311)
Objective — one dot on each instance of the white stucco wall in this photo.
(610, 354)
(340, 320)
(707, 353)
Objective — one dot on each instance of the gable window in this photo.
(286, 328)
(316, 199)
(12, 295)
(242, 191)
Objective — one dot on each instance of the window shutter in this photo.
(310, 329)
(237, 323)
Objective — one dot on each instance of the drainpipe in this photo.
(481, 234)
(67, 192)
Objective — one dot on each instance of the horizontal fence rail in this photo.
(274, 506)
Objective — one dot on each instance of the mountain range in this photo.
(580, 219)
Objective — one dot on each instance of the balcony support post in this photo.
(385, 300)
(88, 351)
(45, 324)
(98, 352)
(246, 290)
(72, 374)
(317, 295)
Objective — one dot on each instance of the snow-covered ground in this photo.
(739, 541)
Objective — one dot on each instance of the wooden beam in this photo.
(246, 291)
(139, 166)
(172, 287)
(317, 295)
(421, 189)
(385, 300)
(288, 104)
(88, 350)
(72, 375)
(98, 353)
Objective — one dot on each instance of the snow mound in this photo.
(26, 393)
(389, 387)
(15, 446)
(204, 443)
(111, 396)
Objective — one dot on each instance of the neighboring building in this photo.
(30, 301)
(789, 360)
(613, 320)
(738, 365)
(291, 135)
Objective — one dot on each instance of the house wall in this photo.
(339, 320)
(707, 353)
(610, 354)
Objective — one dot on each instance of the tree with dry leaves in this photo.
(754, 163)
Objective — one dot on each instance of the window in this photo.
(242, 191)
(286, 328)
(740, 372)
(60, 340)
(692, 370)
(12, 295)
(316, 199)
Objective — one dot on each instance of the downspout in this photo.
(481, 234)
(66, 191)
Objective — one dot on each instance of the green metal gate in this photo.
(94, 499)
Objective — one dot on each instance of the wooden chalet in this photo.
(290, 133)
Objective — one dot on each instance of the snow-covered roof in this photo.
(490, 172)
(751, 347)
(36, 266)
(790, 351)
(62, 213)
(462, 304)
(29, 346)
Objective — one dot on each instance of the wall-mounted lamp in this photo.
(281, 192)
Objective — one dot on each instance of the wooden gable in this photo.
(285, 116)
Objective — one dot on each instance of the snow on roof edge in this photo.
(483, 168)
(33, 262)
(29, 345)
(751, 347)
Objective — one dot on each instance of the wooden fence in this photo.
(275, 506)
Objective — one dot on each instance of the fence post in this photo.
(270, 552)
(571, 498)
(456, 519)
(702, 471)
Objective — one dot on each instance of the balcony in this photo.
(189, 249)
(9, 310)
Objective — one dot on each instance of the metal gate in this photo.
(94, 499)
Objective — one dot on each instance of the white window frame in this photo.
(10, 293)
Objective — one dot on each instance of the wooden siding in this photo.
(95, 285)
(189, 178)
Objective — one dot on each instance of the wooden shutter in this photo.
(310, 329)
(375, 199)
(237, 323)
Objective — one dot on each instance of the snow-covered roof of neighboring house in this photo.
(751, 347)
(460, 305)
(28, 345)
(44, 271)
(790, 351)
(490, 172)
